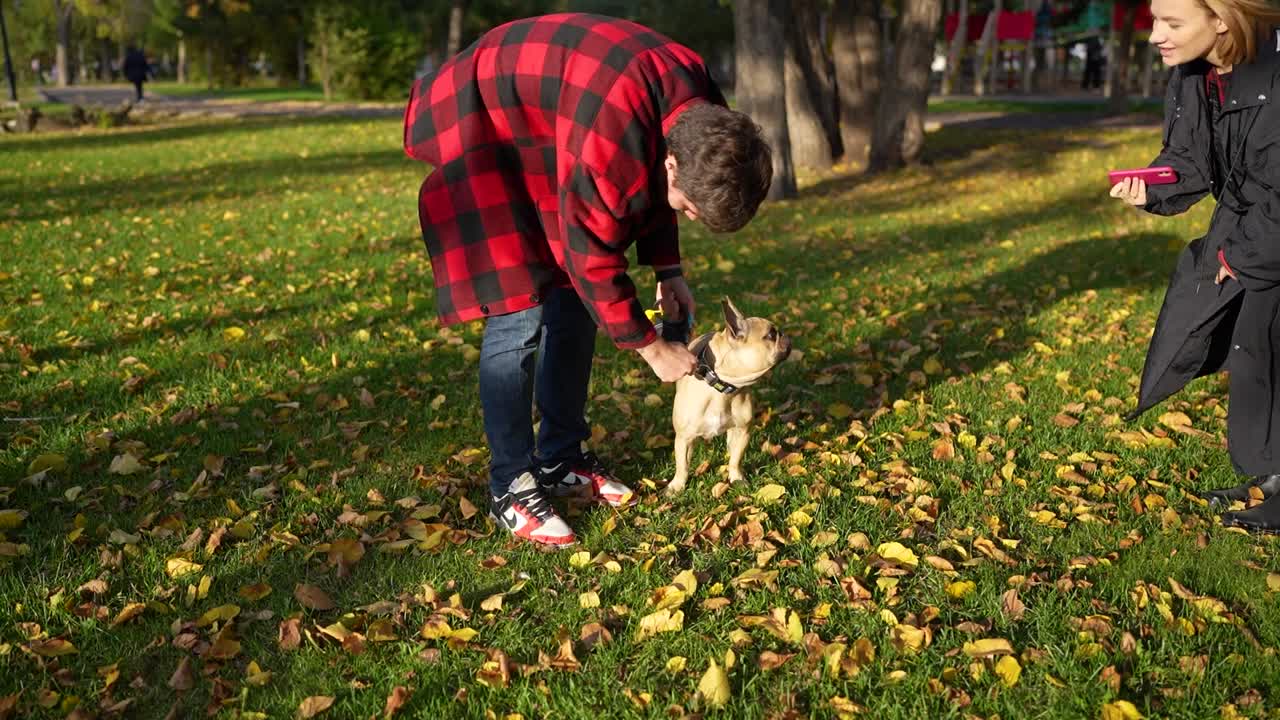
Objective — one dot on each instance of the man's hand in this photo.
(675, 298)
(1131, 190)
(670, 361)
(1223, 274)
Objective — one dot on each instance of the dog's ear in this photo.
(734, 319)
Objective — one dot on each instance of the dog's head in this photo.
(748, 347)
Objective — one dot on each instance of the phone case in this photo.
(1152, 175)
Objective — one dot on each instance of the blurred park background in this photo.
(242, 468)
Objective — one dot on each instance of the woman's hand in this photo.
(1131, 190)
(1223, 273)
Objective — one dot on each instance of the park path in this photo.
(114, 95)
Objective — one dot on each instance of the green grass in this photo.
(254, 93)
(246, 309)
(1047, 105)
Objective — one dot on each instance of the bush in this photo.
(363, 53)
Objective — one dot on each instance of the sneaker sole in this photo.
(572, 540)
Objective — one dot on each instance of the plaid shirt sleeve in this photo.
(595, 258)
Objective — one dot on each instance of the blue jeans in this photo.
(562, 335)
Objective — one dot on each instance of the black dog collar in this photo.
(707, 374)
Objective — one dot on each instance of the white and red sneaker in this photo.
(588, 477)
(527, 513)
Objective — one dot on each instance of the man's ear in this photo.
(734, 319)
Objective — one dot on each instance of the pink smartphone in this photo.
(1152, 176)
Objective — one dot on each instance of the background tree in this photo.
(810, 89)
(958, 43)
(988, 49)
(760, 87)
(899, 132)
(856, 51)
(1121, 43)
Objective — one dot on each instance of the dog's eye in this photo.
(771, 335)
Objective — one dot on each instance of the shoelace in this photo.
(535, 502)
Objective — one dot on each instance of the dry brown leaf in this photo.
(314, 705)
(290, 634)
(396, 700)
(593, 634)
(313, 597)
(182, 678)
(93, 587)
(53, 647)
(770, 660)
(565, 659)
(1012, 605)
(1064, 420)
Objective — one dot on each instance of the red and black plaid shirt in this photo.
(547, 141)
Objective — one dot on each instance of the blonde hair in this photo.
(1247, 21)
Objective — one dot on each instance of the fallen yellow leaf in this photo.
(899, 553)
(1120, 710)
(178, 567)
(714, 686)
(12, 519)
(1009, 670)
(770, 493)
(961, 589)
(988, 647)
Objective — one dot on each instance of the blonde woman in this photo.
(1222, 137)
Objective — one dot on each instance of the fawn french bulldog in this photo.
(716, 399)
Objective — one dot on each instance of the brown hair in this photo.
(724, 164)
(1246, 21)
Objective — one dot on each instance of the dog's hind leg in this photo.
(738, 437)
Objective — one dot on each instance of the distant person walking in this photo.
(1092, 64)
(136, 69)
(35, 70)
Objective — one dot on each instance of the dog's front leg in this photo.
(737, 437)
(682, 446)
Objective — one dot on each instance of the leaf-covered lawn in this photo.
(242, 472)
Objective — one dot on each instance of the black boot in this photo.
(1264, 518)
(1268, 484)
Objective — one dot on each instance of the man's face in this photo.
(1184, 30)
(675, 196)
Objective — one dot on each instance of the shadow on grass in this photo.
(210, 130)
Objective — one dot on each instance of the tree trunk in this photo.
(810, 39)
(301, 49)
(956, 51)
(182, 59)
(856, 51)
(1033, 69)
(1118, 64)
(985, 56)
(759, 60)
(64, 9)
(810, 143)
(899, 136)
(208, 64)
(326, 73)
(456, 15)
